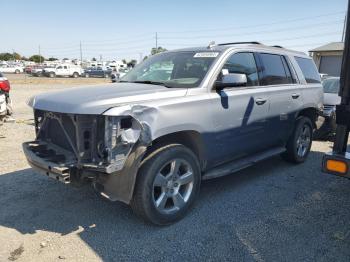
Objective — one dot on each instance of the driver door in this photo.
(239, 113)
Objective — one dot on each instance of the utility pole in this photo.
(39, 55)
(81, 54)
(156, 41)
(344, 28)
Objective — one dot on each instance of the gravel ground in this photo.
(273, 211)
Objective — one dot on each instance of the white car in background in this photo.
(16, 69)
(64, 70)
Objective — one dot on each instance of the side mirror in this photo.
(231, 80)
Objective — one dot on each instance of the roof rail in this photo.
(277, 46)
(241, 43)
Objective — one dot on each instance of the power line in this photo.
(325, 34)
(253, 26)
(257, 32)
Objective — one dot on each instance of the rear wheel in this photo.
(299, 144)
(87, 75)
(52, 74)
(17, 71)
(167, 185)
(75, 75)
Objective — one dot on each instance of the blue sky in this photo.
(126, 29)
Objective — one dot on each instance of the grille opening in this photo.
(86, 134)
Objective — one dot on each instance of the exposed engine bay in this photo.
(87, 148)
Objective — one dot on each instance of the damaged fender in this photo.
(119, 186)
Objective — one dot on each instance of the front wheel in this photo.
(75, 75)
(299, 143)
(167, 184)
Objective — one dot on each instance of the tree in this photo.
(16, 56)
(124, 61)
(37, 58)
(157, 50)
(94, 59)
(53, 59)
(6, 56)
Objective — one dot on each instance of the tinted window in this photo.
(309, 70)
(1, 75)
(273, 72)
(243, 63)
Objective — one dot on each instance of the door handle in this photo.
(295, 96)
(260, 101)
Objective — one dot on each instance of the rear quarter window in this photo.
(1, 75)
(309, 70)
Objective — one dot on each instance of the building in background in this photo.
(328, 58)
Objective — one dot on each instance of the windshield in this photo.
(173, 69)
(331, 86)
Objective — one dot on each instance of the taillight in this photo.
(5, 85)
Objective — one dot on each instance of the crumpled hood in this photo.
(97, 99)
(331, 99)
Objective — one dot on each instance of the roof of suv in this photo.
(255, 45)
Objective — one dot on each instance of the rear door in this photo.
(284, 93)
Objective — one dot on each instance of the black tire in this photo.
(75, 75)
(17, 71)
(87, 75)
(144, 203)
(52, 74)
(293, 154)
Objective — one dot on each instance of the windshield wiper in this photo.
(153, 83)
(149, 82)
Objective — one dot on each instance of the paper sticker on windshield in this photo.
(206, 54)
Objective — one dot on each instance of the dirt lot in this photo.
(272, 212)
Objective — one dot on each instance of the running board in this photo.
(242, 163)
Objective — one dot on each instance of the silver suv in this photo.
(178, 118)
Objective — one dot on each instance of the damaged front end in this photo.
(103, 150)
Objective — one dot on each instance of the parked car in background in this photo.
(30, 69)
(16, 69)
(98, 72)
(5, 101)
(65, 70)
(331, 99)
(38, 70)
(118, 74)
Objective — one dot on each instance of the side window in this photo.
(65, 67)
(273, 71)
(309, 70)
(243, 63)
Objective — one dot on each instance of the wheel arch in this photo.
(309, 112)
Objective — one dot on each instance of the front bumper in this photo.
(50, 160)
